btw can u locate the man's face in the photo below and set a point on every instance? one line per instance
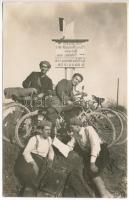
(76, 80)
(44, 68)
(75, 128)
(46, 132)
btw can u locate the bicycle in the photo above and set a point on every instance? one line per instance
(114, 116)
(100, 122)
(13, 111)
(27, 121)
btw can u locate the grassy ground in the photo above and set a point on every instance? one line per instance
(114, 176)
(10, 153)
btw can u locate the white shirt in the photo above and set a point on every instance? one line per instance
(87, 137)
(38, 146)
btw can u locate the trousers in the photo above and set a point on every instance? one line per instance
(25, 173)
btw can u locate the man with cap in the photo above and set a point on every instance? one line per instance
(65, 88)
(65, 96)
(87, 143)
(39, 80)
(36, 157)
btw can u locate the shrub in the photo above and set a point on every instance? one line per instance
(113, 105)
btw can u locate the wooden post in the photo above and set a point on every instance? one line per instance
(72, 71)
(117, 100)
(65, 72)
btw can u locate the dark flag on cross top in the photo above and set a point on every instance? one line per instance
(61, 23)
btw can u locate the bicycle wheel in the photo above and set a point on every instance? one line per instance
(12, 112)
(116, 120)
(121, 113)
(123, 139)
(24, 128)
(103, 125)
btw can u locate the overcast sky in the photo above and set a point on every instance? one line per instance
(28, 30)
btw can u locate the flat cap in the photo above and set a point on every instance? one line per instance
(75, 121)
(46, 63)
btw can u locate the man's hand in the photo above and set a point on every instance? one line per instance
(34, 91)
(94, 169)
(41, 95)
(35, 167)
(49, 164)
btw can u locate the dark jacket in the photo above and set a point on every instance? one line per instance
(64, 90)
(34, 80)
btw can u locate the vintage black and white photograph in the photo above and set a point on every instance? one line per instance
(64, 99)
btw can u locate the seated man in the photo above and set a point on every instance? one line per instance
(39, 80)
(31, 165)
(65, 89)
(95, 154)
(65, 96)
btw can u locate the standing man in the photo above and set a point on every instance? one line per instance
(39, 80)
